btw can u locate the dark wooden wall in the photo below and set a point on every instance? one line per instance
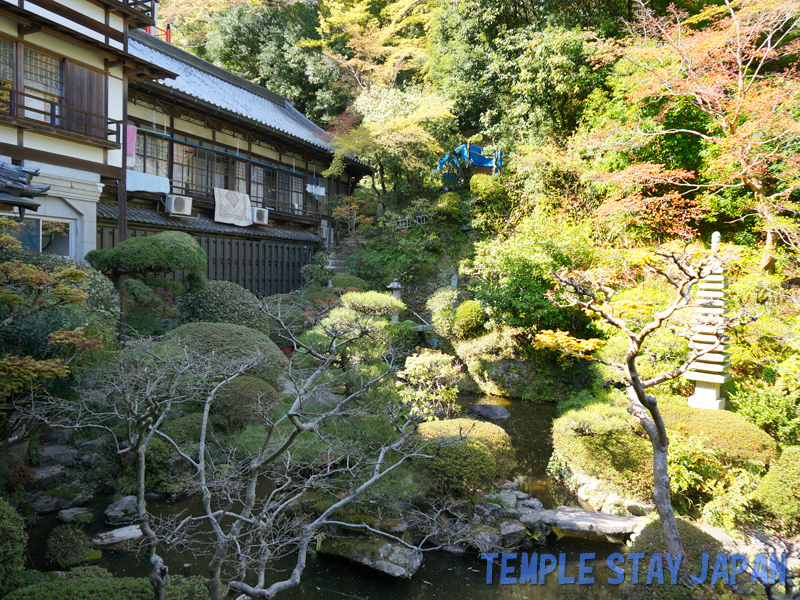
(264, 267)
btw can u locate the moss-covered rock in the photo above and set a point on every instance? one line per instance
(240, 402)
(779, 490)
(502, 364)
(231, 342)
(490, 435)
(378, 554)
(462, 466)
(68, 545)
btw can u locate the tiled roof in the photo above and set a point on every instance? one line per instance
(202, 224)
(207, 82)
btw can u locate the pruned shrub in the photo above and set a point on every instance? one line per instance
(12, 549)
(21, 580)
(184, 430)
(486, 187)
(68, 545)
(468, 319)
(232, 342)
(239, 403)
(448, 205)
(113, 588)
(429, 382)
(223, 302)
(772, 408)
(345, 281)
(490, 435)
(779, 490)
(462, 466)
(442, 306)
(373, 303)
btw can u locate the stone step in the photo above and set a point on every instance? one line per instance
(569, 518)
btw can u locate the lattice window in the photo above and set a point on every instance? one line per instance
(152, 154)
(239, 176)
(43, 78)
(6, 61)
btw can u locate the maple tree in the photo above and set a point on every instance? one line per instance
(729, 74)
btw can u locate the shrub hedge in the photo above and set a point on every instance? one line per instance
(490, 435)
(462, 466)
(104, 588)
(779, 490)
(238, 403)
(223, 302)
(14, 539)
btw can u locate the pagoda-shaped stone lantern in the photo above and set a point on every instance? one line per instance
(395, 288)
(712, 369)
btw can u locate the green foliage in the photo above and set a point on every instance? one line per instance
(490, 435)
(240, 402)
(651, 540)
(223, 302)
(373, 303)
(492, 205)
(148, 257)
(21, 580)
(233, 341)
(462, 466)
(468, 319)
(448, 205)
(487, 188)
(442, 304)
(772, 408)
(67, 545)
(511, 274)
(345, 281)
(407, 255)
(15, 538)
(430, 379)
(105, 588)
(779, 490)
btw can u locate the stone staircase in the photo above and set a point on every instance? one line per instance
(340, 255)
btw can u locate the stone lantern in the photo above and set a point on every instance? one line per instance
(395, 288)
(712, 369)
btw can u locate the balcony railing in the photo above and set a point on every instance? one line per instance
(43, 112)
(143, 6)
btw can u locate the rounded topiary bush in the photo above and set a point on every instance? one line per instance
(345, 281)
(68, 545)
(490, 435)
(186, 429)
(779, 490)
(232, 342)
(449, 205)
(223, 302)
(468, 319)
(14, 540)
(21, 580)
(462, 466)
(239, 403)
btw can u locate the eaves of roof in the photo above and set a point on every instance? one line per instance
(202, 224)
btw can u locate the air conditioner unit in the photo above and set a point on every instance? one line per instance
(179, 205)
(259, 216)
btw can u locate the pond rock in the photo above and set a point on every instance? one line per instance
(507, 498)
(71, 515)
(485, 539)
(512, 533)
(492, 412)
(570, 519)
(43, 477)
(58, 455)
(121, 512)
(45, 504)
(387, 557)
(118, 536)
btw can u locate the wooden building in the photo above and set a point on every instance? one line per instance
(65, 68)
(207, 131)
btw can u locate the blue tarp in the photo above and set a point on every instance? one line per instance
(458, 158)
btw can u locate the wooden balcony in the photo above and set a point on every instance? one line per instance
(50, 115)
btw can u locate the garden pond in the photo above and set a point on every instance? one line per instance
(442, 576)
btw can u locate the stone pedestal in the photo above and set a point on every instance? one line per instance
(706, 395)
(395, 288)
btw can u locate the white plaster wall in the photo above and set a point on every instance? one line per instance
(64, 48)
(69, 148)
(8, 26)
(87, 8)
(8, 135)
